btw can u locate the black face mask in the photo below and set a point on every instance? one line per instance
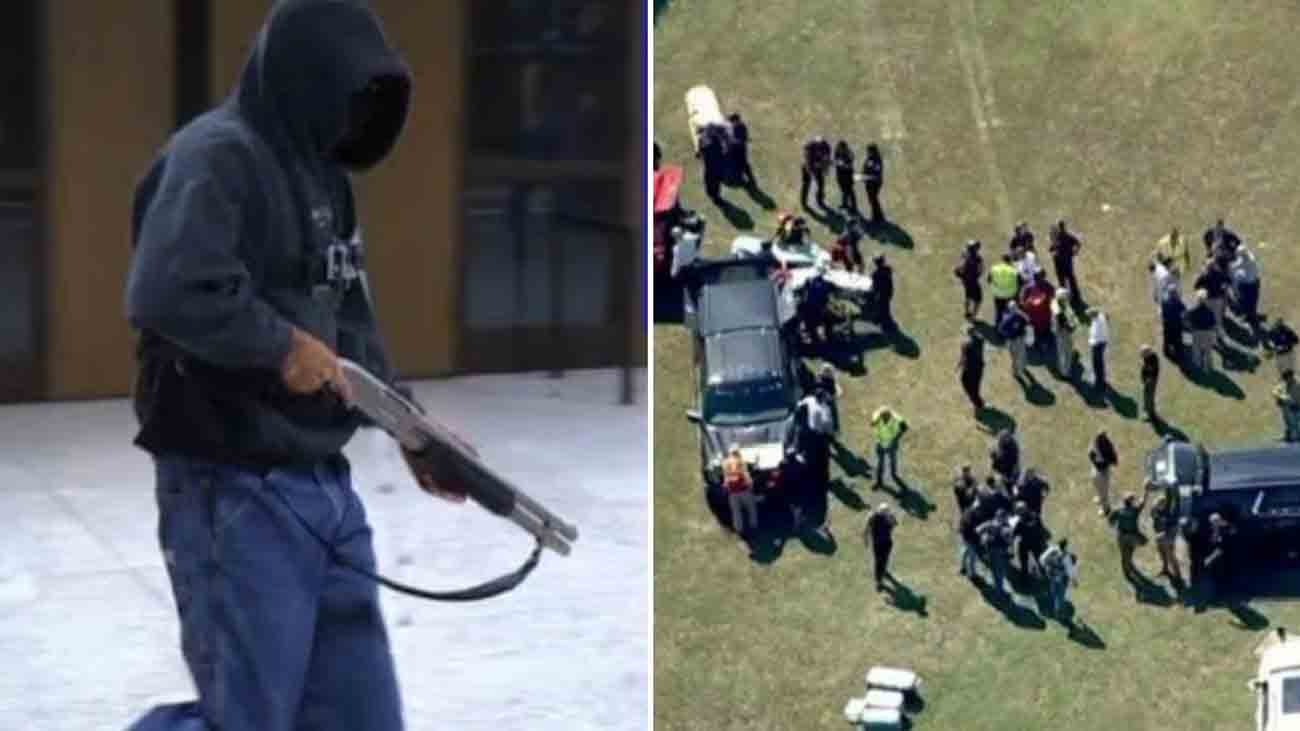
(375, 117)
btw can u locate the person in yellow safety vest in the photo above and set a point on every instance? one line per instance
(740, 491)
(1064, 323)
(1004, 283)
(1173, 248)
(888, 429)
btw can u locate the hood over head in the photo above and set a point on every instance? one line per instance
(323, 84)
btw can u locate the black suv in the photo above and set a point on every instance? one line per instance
(748, 383)
(1256, 489)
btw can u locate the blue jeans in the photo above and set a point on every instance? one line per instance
(998, 561)
(1057, 586)
(884, 454)
(967, 556)
(277, 636)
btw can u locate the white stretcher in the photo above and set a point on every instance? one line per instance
(702, 110)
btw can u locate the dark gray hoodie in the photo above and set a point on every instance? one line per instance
(230, 228)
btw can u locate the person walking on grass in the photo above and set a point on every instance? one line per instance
(970, 367)
(1244, 271)
(1032, 490)
(995, 536)
(827, 384)
(1173, 249)
(1064, 248)
(888, 428)
(969, 271)
(880, 534)
(1164, 526)
(1287, 396)
(1004, 284)
(1202, 324)
(1098, 339)
(1127, 533)
(965, 488)
(816, 161)
(1103, 458)
(1013, 328)
(1031, 539)
(1064, 323)
(1172, 319)
(844, 178)
(1150, 379)
(968, 540)
(1061, 568)
(739, 485)
(1004, 457)
(1280, 342)
(1215, 281)
(873, 177)
(740, 145)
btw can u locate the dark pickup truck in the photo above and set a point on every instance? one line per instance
(1256, 489)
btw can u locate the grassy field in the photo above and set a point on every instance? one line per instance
(1123, 117)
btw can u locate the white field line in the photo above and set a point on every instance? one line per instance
(889, 114)
(982, 63)
(966, 55)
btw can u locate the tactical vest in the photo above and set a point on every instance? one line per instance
(1005, 280)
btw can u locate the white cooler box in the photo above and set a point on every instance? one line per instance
(882, 719)
(903, 681)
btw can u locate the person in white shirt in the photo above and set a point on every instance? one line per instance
(1163, 278)
(687, 249)
(1245, 285)
(820, 429)
(1027, 265)
(1098, 337)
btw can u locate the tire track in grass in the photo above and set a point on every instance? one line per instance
(970, 53)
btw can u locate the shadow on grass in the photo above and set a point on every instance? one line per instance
(1147, 591)
(846, 354)
(1164, 429)
(738, 217)
(852, 464)
(1037, 394)
(1123, 405)
(901, 597)
(759, 196)
(905, 346)
(993, 420)
(1246, 618)
(1218, 382)
(847, 495)
(826, 217)
(1083, 634)
(1236, 359)
(910, 501)
(888, 232)
(1017, 614)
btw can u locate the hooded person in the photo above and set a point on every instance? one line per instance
(246, 286)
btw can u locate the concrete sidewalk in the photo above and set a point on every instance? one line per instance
(88, 628)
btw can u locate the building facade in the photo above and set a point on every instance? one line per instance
(492, 246)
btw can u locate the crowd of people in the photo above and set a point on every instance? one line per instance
(1001, 522)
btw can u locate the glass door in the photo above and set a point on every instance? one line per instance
(22, 194)
(544, 256)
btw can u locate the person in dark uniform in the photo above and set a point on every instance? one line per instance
(246, 288)
(1172, 315)
(1280, 342)
(880, 534)
(964, 488)
(816, 161)
(847, 251)
(970, 367)
(873, 177)
(969, 270)
(1032, 489)
(827, 384)
(740, 150)
(1031, 539)
(844, 178)
(812, 309)
(713, 154)
(1220, 536)
(1022, 239)
(1220, 237)
(1064, 248)
(882, 289)
(1150, 379)
(996, 536)
(1215, 280)
(1127, 534)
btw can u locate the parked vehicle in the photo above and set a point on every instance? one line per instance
(1277, 684)
(748, 386)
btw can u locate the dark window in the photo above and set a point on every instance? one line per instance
(193, 20)
(22, 194)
